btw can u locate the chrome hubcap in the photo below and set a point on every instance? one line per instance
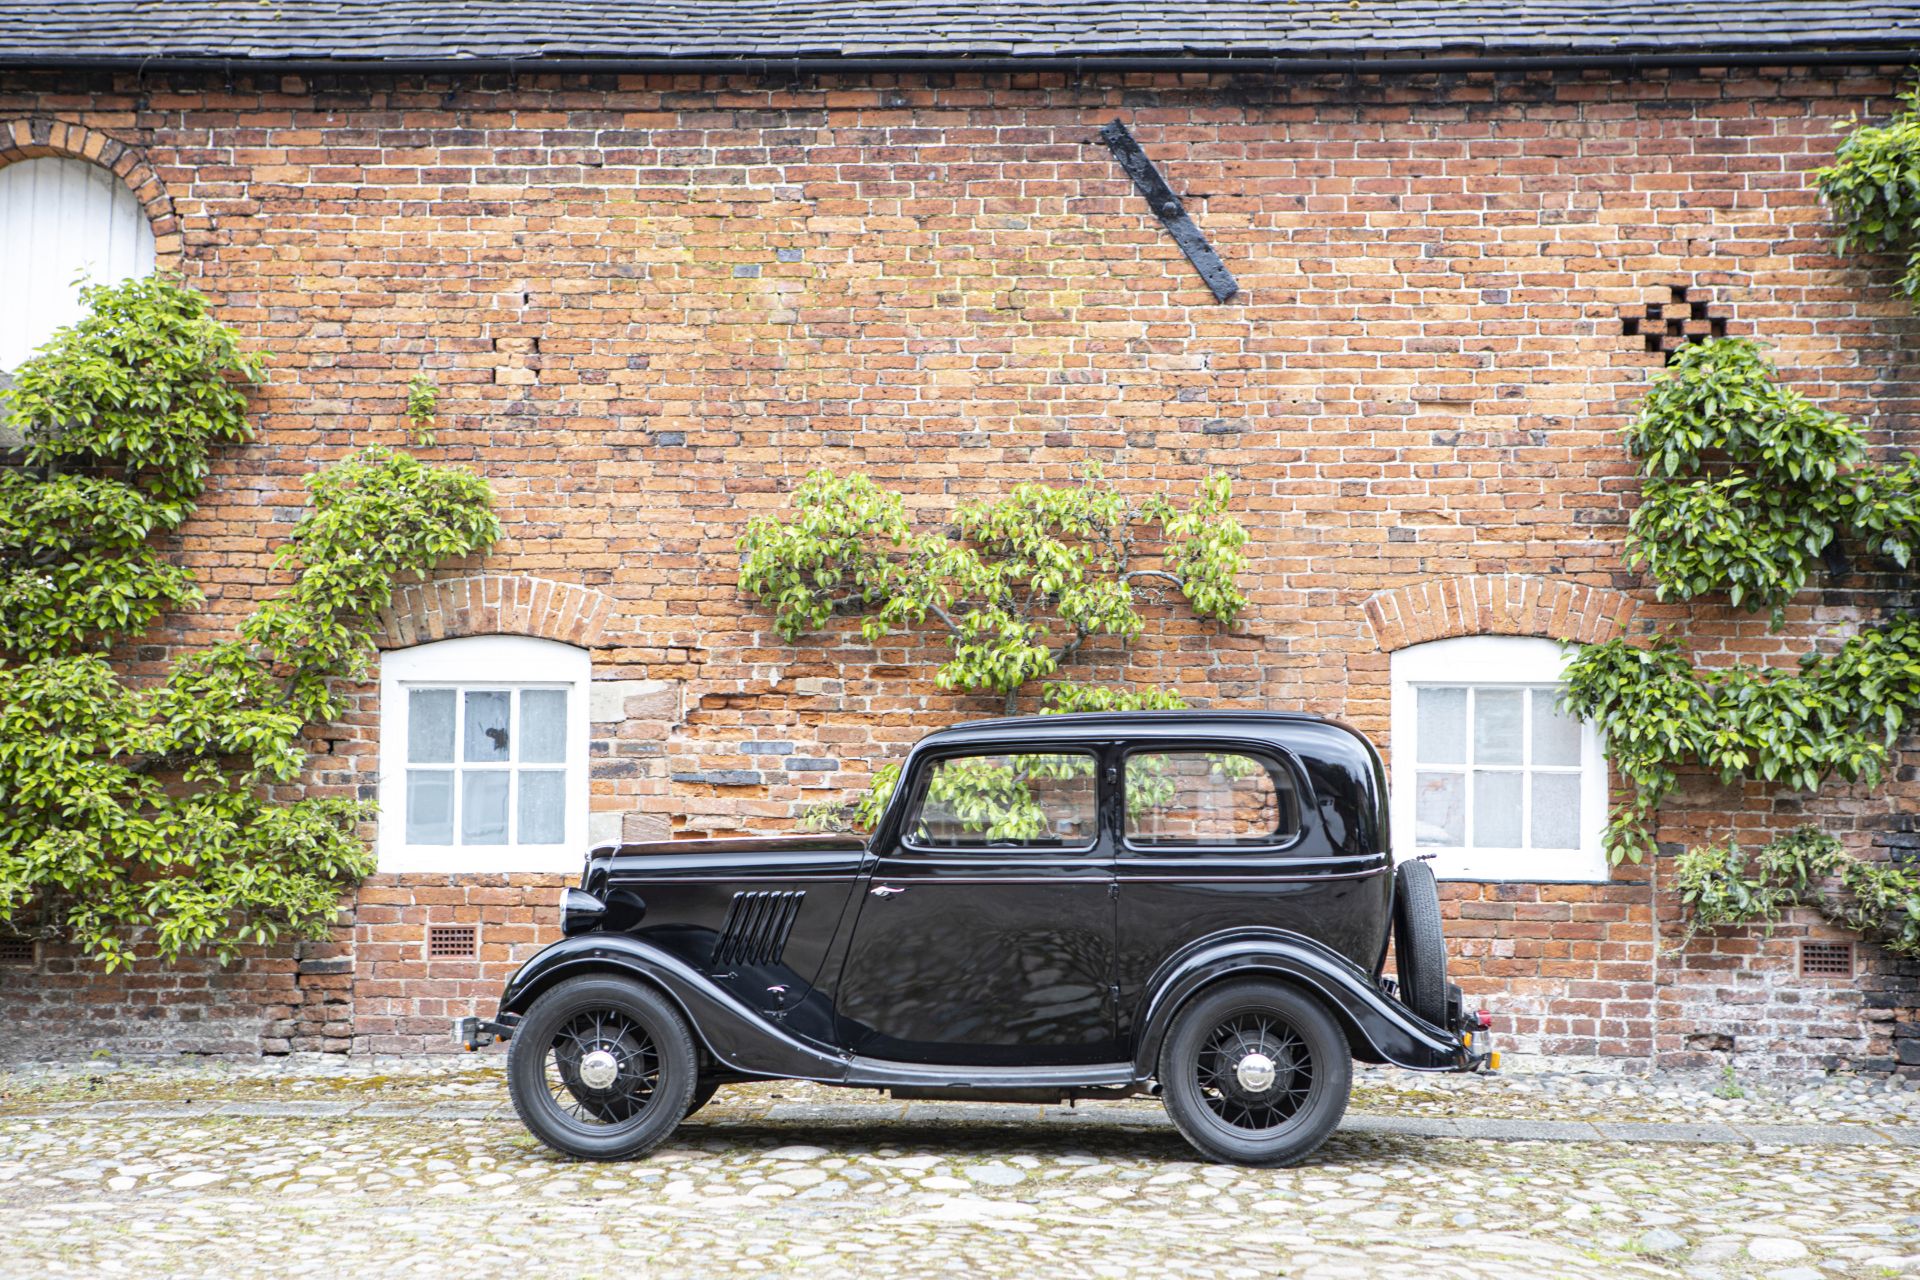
(599, 1069)
(1255, 1073)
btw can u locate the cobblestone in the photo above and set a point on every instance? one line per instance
(418, 1168)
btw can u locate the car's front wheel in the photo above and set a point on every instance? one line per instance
(601, 1068)
(1255, 1073)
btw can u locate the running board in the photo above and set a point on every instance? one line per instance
(977, 1082)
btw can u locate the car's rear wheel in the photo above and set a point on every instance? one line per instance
(601, 1068)
(1419, 946)
(1255, 1073)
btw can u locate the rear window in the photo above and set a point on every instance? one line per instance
(1039, 800)
(1209, 798)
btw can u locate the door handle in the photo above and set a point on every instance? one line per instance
(886, 890)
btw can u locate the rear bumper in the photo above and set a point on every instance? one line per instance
(473, 1034)
(1475, 1028)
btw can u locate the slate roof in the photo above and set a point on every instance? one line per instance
(646, 31)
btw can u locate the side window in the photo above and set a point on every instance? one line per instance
(1209, 797)
(1048, 801)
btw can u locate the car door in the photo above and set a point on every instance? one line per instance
(985, 932)
(1218, 837)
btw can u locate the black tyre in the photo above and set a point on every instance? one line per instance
(1419, 947)
(1255, 1073)
(601, 1068)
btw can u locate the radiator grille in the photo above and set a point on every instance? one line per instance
(452, 942)
(1826, 959)
(757, 927)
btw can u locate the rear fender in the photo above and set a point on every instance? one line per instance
(1379, 1028)
(735, 1035)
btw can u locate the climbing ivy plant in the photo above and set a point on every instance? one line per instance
(1722, 885)
(1017, 588)
(1872, 189)
(1745, 486)
(150, 805)
(1744, 483)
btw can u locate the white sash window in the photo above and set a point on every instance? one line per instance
(483, 755)
(1490, 776)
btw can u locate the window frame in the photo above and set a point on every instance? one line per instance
(923, 780)
(1275, 762)
(498, 662)
(1479, 662)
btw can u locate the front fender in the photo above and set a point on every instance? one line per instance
(735, 1035)
(1380, 1029)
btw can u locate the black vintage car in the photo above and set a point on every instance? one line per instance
(1192, 904)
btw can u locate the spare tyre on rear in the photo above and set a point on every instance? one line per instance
(1419, 948)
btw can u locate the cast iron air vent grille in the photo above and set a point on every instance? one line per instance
(452, 942)
(16, 950)
(757, 927)
(1666, 327)
(1826, 959)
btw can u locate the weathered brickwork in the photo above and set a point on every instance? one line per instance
(652, 304)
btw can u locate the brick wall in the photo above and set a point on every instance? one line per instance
(652, 304)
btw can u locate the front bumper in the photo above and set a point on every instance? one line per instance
(474, 1034)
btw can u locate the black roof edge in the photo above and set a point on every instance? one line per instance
(1179, 715)
(1888, 53)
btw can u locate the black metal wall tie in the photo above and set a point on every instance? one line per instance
(1166, 206)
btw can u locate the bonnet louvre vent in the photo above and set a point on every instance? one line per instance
(757, 927)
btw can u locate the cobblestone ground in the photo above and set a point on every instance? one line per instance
(402, 1169)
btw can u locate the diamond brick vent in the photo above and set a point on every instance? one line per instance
(452, 942)
(1826, 959)
(1666, 327)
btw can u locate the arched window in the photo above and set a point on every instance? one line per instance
(1489, 775)
(483, 755)
(61, 219)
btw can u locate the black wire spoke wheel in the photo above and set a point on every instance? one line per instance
(602, 1068)
(1255, 1072)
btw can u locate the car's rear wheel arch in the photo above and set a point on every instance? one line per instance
(1357, 1043)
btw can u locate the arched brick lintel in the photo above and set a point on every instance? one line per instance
(494, 604)
(1497, 604)
(29, 137)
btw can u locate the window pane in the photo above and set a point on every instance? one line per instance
(1556, 736)
(543, 726)
(483, 807)
(1440, 809)
(429, 806)
(1211, 797)
(1038, 800)
(1496, 810)
(486, 727)
(1441, 732)
(543, 806)
(1496, 725)
(1556, 811)
(430, 726)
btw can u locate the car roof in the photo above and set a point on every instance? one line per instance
(1146, 724)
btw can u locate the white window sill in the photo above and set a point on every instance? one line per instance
(1530, 867)
(482, 859)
